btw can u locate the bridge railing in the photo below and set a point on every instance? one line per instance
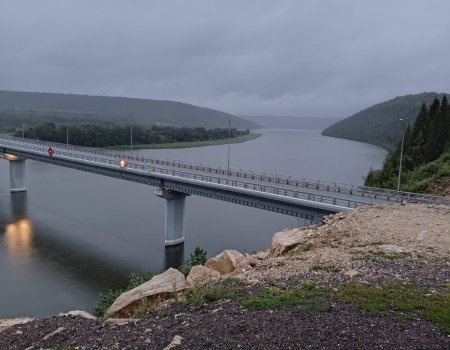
(291, 181)
(409, 196)
(94, 158)
(267, 177)
(253, 186)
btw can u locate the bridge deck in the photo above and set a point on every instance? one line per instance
(201, 179)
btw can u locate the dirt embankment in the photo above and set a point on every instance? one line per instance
(411, 231)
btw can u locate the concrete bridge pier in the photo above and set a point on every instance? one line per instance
(16, 173)
(174, 215)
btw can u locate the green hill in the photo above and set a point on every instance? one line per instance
(425, 156)
(380, 124)
(35, 107)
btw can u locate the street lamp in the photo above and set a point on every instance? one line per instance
(229, 137)
(131, 132)
(401, 156)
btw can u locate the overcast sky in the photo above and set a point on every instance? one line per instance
(302, 58)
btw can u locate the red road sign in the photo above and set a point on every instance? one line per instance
(50, 152)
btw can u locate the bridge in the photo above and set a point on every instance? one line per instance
(303, 198)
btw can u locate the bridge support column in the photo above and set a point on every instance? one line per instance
(16, 173)
(174, 215)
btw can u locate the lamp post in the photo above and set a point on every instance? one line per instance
(229, 137)
(131, 134)
(401, 157)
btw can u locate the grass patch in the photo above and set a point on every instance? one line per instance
(181, 317)
(326, 267)
(308, 298)
(238, 139)
(308, 246)
(229, 288)
(406, 299)
(393, 256)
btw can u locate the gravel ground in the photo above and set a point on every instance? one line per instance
(235, 328)
(403, 244)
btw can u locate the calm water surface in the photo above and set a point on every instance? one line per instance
(73, 234)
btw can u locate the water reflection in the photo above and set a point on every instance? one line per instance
(174, 256)
(26, 242)
(19, 240)
(19, 234)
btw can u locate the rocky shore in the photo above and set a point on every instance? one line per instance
(374, 278)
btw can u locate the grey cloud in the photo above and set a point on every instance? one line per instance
(245, 57)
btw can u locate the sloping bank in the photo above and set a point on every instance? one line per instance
(377, 277)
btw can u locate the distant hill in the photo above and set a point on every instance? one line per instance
(288, 122)
(380, 124)
(36, 107)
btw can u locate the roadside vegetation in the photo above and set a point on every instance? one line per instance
(426, 153)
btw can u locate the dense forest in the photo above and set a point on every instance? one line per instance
(426, 151)
(92, 135)
(35, 107)
(380, 124)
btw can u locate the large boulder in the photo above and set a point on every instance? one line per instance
(284, 241)
(225, 262)
(199, 275)
(161, 287)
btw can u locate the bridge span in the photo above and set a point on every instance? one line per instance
(303, 198)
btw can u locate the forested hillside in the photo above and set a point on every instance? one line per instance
(380, 124)
(35, 107)
(92, 135)
(426, 152)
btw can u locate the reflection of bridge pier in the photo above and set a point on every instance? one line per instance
(19, 233)
(16, 172)
(174, 256)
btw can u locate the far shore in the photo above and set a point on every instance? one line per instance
(190, 144)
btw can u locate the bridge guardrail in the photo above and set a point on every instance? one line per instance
(202, 177)
(268, 177)
(362, 191)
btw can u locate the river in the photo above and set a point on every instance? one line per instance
(73, 234)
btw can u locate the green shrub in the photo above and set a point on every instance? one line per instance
(198, 257)
(107, 298)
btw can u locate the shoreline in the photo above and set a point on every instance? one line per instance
(188, 144)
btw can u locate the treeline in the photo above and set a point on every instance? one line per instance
(92, 135)
(424, 142)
